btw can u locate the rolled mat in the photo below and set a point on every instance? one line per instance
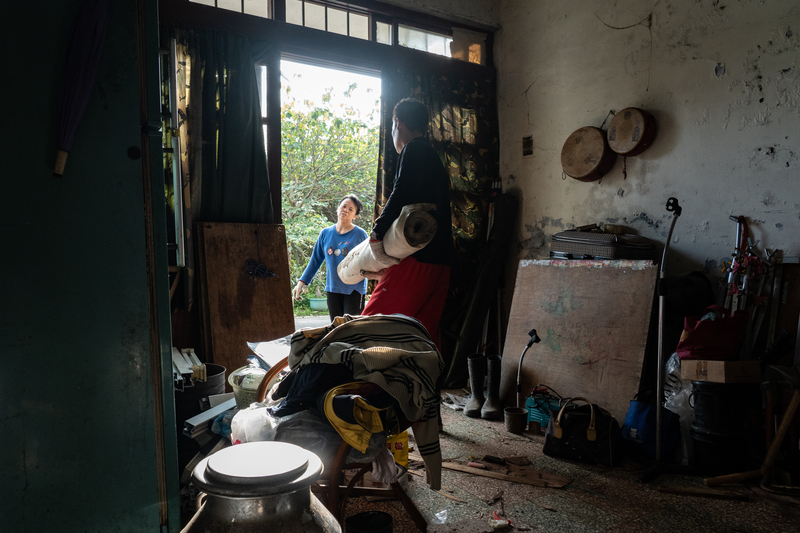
(411, 232)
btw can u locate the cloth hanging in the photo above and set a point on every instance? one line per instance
(223, 157)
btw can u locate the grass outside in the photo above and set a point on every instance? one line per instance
(303, 308)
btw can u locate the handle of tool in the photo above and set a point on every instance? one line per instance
(788, 416)
(731, 478)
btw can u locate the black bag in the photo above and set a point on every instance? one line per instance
(587, 433)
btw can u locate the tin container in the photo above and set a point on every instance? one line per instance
(258, 487)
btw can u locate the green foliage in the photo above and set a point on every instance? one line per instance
(326, 154)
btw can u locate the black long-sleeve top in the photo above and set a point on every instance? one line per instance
(421, 178)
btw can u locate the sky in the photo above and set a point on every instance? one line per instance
(309, 83)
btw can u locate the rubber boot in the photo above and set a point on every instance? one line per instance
(476, 364)
(492, 409)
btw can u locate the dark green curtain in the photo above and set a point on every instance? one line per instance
(224, 162)
(464, 130)
(231, 183)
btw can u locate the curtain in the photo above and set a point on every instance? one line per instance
(463, 129)
(224, 162)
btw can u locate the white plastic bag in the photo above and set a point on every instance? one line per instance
(678, 399)
(253, 424)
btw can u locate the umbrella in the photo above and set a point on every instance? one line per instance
(83, 59)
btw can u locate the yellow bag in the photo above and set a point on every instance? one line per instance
(398, 445)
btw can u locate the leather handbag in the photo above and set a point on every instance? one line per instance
(587, 433)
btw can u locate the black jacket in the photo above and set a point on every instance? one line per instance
(421, 178)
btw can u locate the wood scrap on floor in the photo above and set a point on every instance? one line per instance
(705, 493)
(512, 473)
(451, 497)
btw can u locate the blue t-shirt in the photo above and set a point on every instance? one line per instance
(333, 247)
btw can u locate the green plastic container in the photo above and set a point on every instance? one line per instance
(318, 304)
(369, 522)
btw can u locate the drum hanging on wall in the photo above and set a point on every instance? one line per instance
(631, 131)
(586, 155)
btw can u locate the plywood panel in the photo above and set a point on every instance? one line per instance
(593, 318)
(237, 309)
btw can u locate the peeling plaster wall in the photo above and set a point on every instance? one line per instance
(482, 13)
(720, 77)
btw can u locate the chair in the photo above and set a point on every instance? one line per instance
(336, 493)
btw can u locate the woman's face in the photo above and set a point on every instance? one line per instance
(347, 211)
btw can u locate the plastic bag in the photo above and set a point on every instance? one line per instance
(253, 424)
(222, 424)
(383, 468)
(316, 435)
(678, 399)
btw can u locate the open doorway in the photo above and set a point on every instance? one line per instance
(330, 121)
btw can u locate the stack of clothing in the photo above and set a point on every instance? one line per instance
(333, 367)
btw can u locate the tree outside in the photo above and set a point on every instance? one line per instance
(328, 151)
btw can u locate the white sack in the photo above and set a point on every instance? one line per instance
(411, 232)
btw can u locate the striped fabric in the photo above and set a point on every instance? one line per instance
(393, 352)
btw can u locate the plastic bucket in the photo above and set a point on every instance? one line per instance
(369, 522)
(516, 419)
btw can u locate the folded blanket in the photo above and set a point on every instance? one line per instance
(411, 232)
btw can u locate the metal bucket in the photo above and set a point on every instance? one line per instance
(516, 419)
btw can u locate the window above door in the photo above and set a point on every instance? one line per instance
(369, 21)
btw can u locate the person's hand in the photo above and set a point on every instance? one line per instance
(373, 275)
(299, 289)
(380, 254)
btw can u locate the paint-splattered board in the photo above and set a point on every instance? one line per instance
(593, 318)
(236, 309)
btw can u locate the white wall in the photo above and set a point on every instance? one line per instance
(720, 77)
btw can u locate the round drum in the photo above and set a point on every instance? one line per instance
(586, 155)
(631, 131)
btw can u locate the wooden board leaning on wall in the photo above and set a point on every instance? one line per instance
(235, 307)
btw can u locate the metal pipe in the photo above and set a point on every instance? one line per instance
(534, 338)
(672, 205)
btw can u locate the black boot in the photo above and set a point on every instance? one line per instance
(476, 364)
(492, 409)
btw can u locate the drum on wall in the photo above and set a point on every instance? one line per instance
(586, 155)
(631, 131)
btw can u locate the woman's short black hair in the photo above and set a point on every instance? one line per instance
(413, 114)
(355, 200)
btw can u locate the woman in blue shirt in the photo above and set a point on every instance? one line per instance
(333, 244)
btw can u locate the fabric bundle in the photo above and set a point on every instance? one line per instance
(411, 232)
(393, 352)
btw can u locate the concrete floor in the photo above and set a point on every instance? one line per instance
(597, 500)
(301, 322)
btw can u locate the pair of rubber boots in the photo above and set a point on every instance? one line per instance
(488, 407)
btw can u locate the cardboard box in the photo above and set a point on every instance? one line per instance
(721, 371)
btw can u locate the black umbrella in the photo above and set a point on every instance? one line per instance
(83, 59)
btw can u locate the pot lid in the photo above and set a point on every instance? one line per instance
(257, 469)
(256, 463)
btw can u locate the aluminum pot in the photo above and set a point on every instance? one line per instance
(257, 487)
